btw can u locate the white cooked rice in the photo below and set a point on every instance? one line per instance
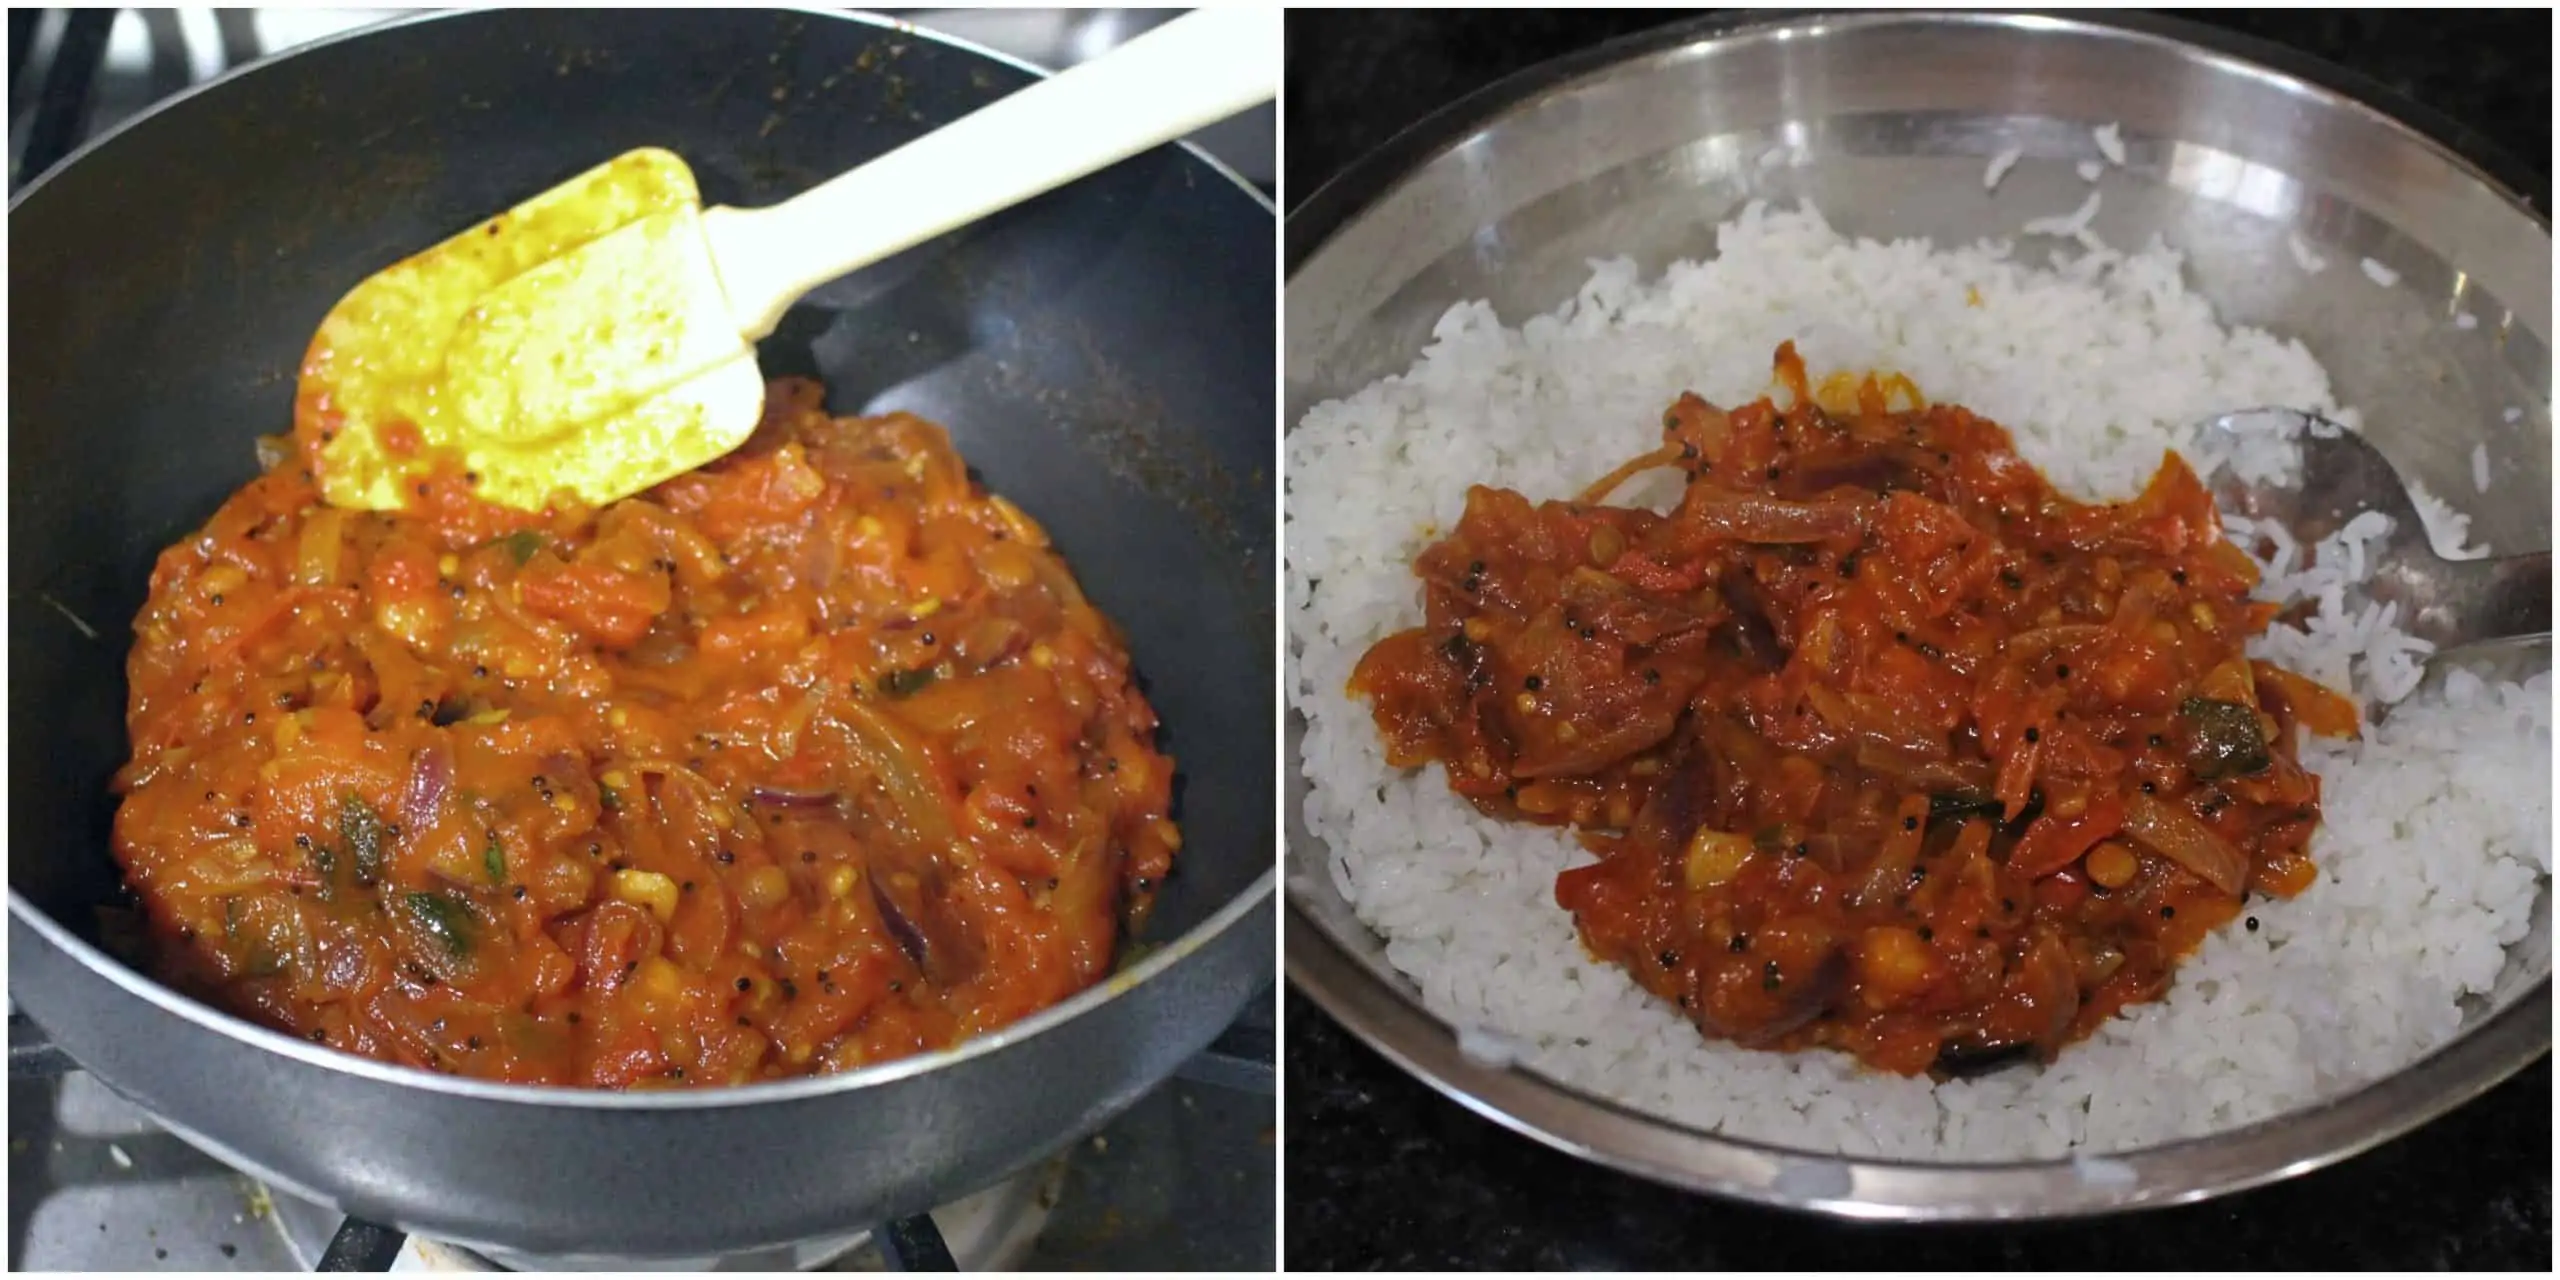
(1999, 167)
(2378, 273)
(2480, 468)
(2465, 321)
(2089, 170)
(2428, 871)
(2110, 138)
(2447, 528)
(2303, 257)
(2073, 224)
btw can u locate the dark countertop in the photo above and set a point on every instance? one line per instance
(1385, 1174)
(1382, 1172)
(1356, 78)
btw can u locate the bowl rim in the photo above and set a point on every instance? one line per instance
(1309, 223)
(1380, 1013)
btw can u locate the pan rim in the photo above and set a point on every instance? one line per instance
(1256, 895)
(859, 17)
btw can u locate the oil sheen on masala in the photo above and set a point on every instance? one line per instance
(813, 757)
(1882, 744)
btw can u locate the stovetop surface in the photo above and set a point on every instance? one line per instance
(150, 54)
(1182, 1181)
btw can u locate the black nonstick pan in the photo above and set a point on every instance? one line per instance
(1103, 356)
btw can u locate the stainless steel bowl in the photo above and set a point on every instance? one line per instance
(1887, 122)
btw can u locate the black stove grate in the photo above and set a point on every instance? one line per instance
(62, 101)
(908, 1244)
(1242, 1058)
(915, 1244)
(362, 1246)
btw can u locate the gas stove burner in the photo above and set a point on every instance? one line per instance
(993, 1230)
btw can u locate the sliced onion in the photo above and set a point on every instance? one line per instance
(2031, 647)
(316, 554)
(2048, 965)
(1061, 585)
(901, 924)
(792, 797)
(1871, 724)
(660, 648)
(2134, 611)
(2183, 838)
(1867, 471)
(820, 557)
(1601, 488)
(430, 777)
(1829, 851)
(1892, 868)
(2053, 842)
(904, 770)
(1750, 626)
(2315, 706)
(2095, 962)
(1810, 1000)
(1750, 518)
(1929, 773)
(989, 641)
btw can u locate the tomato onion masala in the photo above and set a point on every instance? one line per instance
(811, 758)
(1882, 744)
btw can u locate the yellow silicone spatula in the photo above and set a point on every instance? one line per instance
(597, 339)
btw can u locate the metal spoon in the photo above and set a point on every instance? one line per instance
(2453, 604)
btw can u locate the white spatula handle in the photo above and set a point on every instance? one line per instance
(1195, 70)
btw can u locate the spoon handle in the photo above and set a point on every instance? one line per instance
(1194, 70)
(2502, 598)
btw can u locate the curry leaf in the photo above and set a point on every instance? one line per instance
(445, 918)
(899, 684)
(2224, 739)
(1962, 804)
(365, 834)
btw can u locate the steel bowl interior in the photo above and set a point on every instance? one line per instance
(1887, 122)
